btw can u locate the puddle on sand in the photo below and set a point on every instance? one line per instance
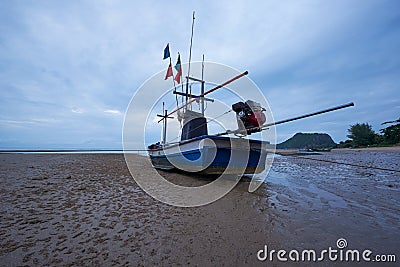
(317, 202)
(305, 189)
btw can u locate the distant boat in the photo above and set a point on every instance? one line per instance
(320, 149)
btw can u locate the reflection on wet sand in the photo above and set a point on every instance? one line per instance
(325, 201)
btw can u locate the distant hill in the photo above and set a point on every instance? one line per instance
(308, 140)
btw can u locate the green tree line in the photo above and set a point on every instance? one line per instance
(361, 134)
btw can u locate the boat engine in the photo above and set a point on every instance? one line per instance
(250, 114)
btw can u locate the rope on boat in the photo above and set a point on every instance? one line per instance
(348, 164)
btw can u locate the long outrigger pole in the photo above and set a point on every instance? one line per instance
(309, 115)
(265, 126)
(209, 91)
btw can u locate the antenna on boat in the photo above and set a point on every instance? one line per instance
(165, 116)
(190, 58)
(202, 87)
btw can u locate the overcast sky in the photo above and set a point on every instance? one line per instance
(68, 69)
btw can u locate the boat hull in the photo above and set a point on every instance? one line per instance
(211, 155)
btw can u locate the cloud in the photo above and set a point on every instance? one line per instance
(76, 65)
(112, 111)
(78, 110)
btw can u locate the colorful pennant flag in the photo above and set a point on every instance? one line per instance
(169, 72)
(178, 69)
(166, 52)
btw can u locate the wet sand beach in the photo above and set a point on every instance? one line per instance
(86, 210)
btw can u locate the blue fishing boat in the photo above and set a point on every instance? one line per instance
(198, 151)
(216, 154)
(210, 154)
(201, 152)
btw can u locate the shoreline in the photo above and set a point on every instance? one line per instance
(395, 149)
(389, 149)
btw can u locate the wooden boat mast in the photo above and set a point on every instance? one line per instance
(202, 87)
(165, 116)
(190, 59)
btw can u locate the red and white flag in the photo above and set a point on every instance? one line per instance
(169, 72)
(178, 69)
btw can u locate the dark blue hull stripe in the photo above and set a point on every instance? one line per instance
(221, 159)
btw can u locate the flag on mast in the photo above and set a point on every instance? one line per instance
(169, 72)
(166, 52)
(178, 69)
